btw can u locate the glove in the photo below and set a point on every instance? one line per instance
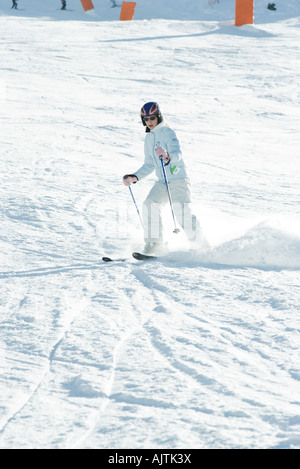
(162, 152)
(129, 179)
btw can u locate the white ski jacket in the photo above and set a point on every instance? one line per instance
(162, 136)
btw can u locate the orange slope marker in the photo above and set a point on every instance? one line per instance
(87, 5)
(244, 12)
(127, 11)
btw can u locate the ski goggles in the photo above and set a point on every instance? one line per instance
(152, 118)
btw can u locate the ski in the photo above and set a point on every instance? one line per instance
(143, 257)
(109, 259)
(137, 255)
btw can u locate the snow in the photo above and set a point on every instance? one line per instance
(190, 351)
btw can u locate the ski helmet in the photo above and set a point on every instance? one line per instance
(151, 109)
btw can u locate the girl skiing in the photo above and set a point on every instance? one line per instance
(161, 143)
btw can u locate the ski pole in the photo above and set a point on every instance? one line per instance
(137, 209)
(176, 230)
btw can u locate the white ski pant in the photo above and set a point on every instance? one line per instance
(157, 200)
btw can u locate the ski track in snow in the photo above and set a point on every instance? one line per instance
(190, 351)
(46, 369)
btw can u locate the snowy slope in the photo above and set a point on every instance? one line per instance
(189, 351)
(109, 10)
